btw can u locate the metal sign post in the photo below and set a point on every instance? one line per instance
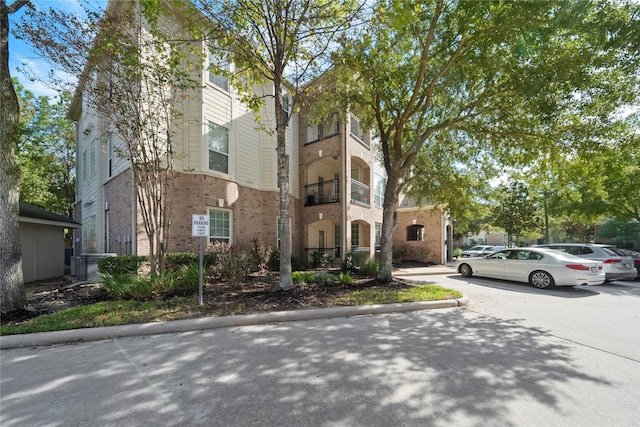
(200, 228)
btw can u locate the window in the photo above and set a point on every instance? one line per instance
(356, 130)
(286, 105)
(220, 225)
(110, 155)
(324, 129)
(355, 235)
(88, 162)
(379, 183)
(313, 133)
(218, 148)
(378, 234)
(217, 62)
(415, 232)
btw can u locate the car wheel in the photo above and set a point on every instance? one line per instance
(465, 270)
(541, 279)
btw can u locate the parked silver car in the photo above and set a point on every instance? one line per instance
(617, 266)
(480, 250)
(540, 267)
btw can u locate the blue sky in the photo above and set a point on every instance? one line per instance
(22, 54)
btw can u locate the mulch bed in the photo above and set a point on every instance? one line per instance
(256, 294)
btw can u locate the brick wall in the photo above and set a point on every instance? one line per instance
(432, 247)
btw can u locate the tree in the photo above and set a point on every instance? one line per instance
(47, 152)
(12, 293)
(516, 211)
(284, 42)
(494, 76)
(133, 67)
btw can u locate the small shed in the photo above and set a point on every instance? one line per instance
(42, 240)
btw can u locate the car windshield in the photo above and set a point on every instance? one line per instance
(565, 255)
(476, 248)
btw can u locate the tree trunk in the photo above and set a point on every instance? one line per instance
(12, 293)
(286, 281)
(389, 224)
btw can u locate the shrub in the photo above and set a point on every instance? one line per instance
(320, 259)
(127, 285)
(345, 278)
(396, 256)
(303, 276)
(186, 278)
(370, 268)
(232, 264)
(261, 253)
(274, 262)
(323, 278)
(120, 265)
(347, 263)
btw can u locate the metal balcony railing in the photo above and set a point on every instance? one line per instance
(322, 192)
(360, 193)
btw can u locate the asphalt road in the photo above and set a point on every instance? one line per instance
(517, 356)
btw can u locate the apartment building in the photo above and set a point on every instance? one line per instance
(227, 169)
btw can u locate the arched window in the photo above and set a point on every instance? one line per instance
(415, 232)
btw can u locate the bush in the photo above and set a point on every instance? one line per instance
(320, 259)
(274, 262)
(186, 278)
(120, 265)
(302, 276)
(127, 285)
(231, 263)
(370, 268)
(323, 278)
(345, 278)
(261, 253)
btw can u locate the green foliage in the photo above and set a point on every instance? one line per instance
(184, 278)
(516, 211)
(320, 259)
(370, 268)
(46, 150)
(390, 296)
(128, 285)
(323, 278)
(621, 233)
(345, 278)
(396, 256)
(121, 265)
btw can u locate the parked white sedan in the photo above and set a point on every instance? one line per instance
(539, 267)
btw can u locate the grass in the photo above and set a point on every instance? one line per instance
(390, 296)
(124, 312)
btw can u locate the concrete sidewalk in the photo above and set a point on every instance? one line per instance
(109, 332)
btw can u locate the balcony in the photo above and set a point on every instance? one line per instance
(322, 193)
(360, 193)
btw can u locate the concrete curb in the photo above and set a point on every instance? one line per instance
(109, 332)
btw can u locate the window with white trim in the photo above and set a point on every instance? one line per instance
(415, 232)
(217, 62)
(355, 235)
(378, 234)
(220, 225)
(379, 183)
(218, 148)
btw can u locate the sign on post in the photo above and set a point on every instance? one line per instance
(200, 228)
(200, 225)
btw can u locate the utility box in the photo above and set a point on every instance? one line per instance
(88, 265)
